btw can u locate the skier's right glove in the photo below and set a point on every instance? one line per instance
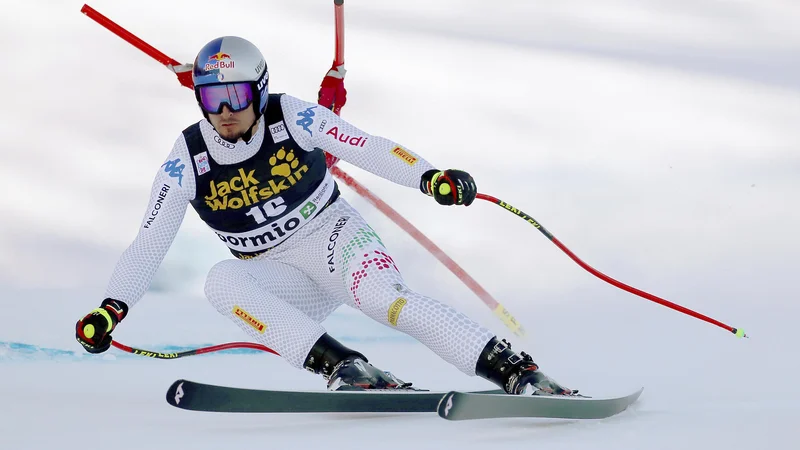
(93, 331)
(449, 187)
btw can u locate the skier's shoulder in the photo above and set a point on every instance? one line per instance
(292, 105)
(194, 140)
(304, 118)
(193, 131)
(177, 164)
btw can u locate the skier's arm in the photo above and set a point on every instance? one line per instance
(376, 154)
(173, 188)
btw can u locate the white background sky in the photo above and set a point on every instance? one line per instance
(659, 140)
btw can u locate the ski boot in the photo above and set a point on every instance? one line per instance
(355, 374)
(513, 372)
(348, 370)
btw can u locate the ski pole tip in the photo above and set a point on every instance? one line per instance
(739, 333)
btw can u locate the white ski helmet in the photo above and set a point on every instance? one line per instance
(230, 70)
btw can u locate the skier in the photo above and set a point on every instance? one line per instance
(255, 172)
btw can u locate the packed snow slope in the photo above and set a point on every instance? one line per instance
(659, 140)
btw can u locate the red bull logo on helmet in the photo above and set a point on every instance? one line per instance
(218, 61)
(219, 56)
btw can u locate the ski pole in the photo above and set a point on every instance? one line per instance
(196, 351)
(338, 61)
(738, 332)
(183, 71)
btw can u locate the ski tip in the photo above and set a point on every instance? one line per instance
(635, 396)
(175, 393)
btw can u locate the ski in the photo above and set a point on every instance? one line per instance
(466, 406)
(193, 396)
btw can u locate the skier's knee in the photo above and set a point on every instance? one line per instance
(221, 276)
(383, 302)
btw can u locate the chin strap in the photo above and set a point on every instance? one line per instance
(245, 137)
(259, 114)
(249, 133)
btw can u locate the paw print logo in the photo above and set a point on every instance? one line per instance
(283, 163)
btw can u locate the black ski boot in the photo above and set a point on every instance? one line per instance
(346, 369)
(513, 372)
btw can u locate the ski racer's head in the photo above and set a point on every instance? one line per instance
(231, 86)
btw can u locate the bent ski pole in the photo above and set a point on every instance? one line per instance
(736, 331)
(197, 351)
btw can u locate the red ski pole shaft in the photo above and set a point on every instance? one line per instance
(128, 36)
(338, 9)
(183, 72)
(604, 277)
(196, 351)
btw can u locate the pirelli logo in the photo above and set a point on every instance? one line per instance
(250, 320)
(395, 308)
(407, 158)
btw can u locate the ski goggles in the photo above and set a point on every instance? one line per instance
(238, 96)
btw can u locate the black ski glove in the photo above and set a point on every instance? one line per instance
(93, 331)
(449, 187)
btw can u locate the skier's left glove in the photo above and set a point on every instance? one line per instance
(449, 187)
(93, 331)
(332, 93)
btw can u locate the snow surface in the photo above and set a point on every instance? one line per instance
(659, 140)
